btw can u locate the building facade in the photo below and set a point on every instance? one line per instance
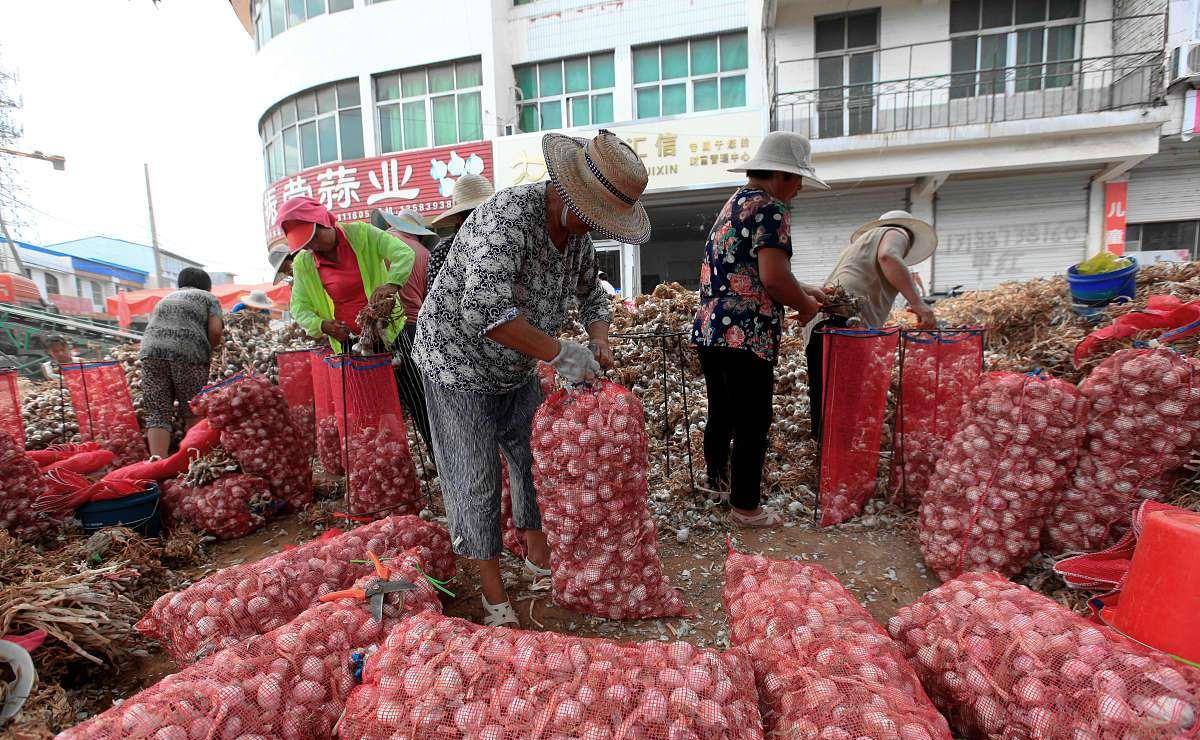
(1002, 122)
(77, 285)
(139, 257)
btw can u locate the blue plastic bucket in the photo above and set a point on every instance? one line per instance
(138, 511)
(1091, 293)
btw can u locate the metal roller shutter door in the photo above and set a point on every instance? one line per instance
(1164, 194)
(823, 222)
(1009, 228)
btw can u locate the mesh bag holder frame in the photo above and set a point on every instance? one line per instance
(856, 376)
(296, 380)
(11, 420)
(929, 406)
(104, 409)
(381, 477)
(328, 444)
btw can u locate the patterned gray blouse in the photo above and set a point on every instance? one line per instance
(178, 328)
(503, 264)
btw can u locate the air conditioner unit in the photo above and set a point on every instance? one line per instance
(1184, 65)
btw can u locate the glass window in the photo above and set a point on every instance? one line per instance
(996, 13)
(273, 17)
(964, 15)
(295, 12)
(845, 77)
(862, 29)
(409, 117)
(312, 128)
(831, 33)
(550, 98)
(339, 5)
(315, 7)
(1030, 11)
(713, 68)
(51, 283)
(1028, 32)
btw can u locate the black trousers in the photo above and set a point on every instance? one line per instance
(814, 355)
(741, 386)
(408, 381)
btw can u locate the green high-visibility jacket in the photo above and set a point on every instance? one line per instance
(382, 258)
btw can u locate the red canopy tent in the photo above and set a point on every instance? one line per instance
(142, 302)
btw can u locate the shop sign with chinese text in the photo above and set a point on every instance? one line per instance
(682, 151)
(421, 179)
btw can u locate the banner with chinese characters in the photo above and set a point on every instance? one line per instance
(422, 179)
(696, 150)
(1116, 196)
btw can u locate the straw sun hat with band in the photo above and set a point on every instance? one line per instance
(924, 238)
(470, 192)
(602, 181)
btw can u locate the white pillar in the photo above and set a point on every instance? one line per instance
(1095, 217)
(623, 92)
(366, 99)
(921, 205)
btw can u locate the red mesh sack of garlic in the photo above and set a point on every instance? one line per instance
(381, 477)
(257, 430)
(329, 434)
(857, 374)
(23, 484)
(547, 378)
(1002, 661)
(290, 683)
(442, 677)
(589, 468)
(825, 670)
(104, 409)
(11, 421)
(1000, 474)
(514, 542)
(296, 382)
(232, 506)
(1143, 426)
(253, 598)
(938, 370)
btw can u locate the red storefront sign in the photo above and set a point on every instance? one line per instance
(1115, 199)
(422, 179)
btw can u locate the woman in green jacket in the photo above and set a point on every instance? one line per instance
(338, 268)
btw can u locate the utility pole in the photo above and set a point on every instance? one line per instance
(153, 231)
(12, 251)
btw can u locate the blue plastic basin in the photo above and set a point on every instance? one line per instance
(138, 511)
(1091, 293)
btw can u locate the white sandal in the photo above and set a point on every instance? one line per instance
(536, 570)
(499, 615)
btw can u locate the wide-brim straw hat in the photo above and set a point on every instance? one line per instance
(470, 192)
(924, 238)
(602, 180)
(784, 151)
(406, 221)
(257, 299)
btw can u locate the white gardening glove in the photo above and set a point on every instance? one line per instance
(575, 363)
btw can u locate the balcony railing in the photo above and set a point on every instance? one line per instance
(1017, 93)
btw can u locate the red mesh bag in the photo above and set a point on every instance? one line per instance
(824, 668)
(104, 409)
(23, 485)
(289, 683)
(547, 378)
(1143, 426)
(329, 434)
(11, 421)
(441, 677)
(1001, 661)
(382, 478)
(589, 467)
(1106, 570)
(231, 506)
(513, 541)
(938, 370)
(1000, 474)
(296, 381)
(257, 430)
(855, 381)
(254, 598)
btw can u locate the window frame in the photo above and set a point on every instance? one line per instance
(1134, 246)
(1012, 34)
(427, 97)
(260, 11)
(689, 81)
(564, 98)
(845, 53)
(276, 138)
(47, 276)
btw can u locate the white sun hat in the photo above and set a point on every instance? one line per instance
(784, 151)
(924, 238)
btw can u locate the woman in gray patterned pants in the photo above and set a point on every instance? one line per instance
(520, 262)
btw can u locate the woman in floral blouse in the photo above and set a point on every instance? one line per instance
(745, 283)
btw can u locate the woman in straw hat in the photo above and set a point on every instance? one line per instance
(470, 191)
(745, 283)
(255, 300)
(873, 270)
(521, 260)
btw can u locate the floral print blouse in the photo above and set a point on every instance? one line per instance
(736, 311)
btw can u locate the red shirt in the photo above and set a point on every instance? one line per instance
(343, 282)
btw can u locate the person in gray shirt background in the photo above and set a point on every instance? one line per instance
(176, 350)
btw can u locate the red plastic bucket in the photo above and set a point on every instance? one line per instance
(1160, 601)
